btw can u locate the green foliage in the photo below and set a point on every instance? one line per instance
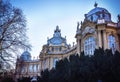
(7, 79)
(24, 79)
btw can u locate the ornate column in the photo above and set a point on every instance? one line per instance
(105, 39)
(78, 45)
(78, 48)
(99, 39)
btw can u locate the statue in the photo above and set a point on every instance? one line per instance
(91, 18)
(95, 5)
(103, 14)
(118, 18)
(78, 25)
(81, 23)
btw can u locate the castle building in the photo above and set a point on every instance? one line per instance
(97, 30)
(55, 49)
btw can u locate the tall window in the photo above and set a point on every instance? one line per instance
(30, 68)
(60, 48)
(112, 42)
(89, 46)
(45, 64)
(52, 48)
(23, 69)
(56, 49)
(35, 68)
(54, 62)
(38, 67)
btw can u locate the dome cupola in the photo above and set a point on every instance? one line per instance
(57, 39)
(26, 56)
(98, 13)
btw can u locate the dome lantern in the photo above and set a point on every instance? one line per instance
(96, 4)
(98, 13)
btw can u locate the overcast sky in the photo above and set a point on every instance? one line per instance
(44, 15)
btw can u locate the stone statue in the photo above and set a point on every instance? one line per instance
(91, 18)
(118, 18)
(78, 25)
(96, 4)
(103, 14)
(81, 23)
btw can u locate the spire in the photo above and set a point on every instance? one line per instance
(57, 29)
(118, 17)
(57, 32)
(78, 25)
(96, 4)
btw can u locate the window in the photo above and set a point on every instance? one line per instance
(23, 69)
(35, 68)
(30, 68)
(45, 64)
(56, 49)
(52, 48)
(60, 49)
(54, 62)
(89, 46)
(38, 67)
(112, 42)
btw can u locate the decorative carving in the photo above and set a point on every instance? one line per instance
(118, 18)
(91, 18)
(95, 5)
(81, 23)
(88, 30)
(103, 14)
(78, 26)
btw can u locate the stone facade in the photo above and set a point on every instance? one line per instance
(97, 30)
(55, 49)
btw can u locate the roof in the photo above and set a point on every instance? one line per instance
(97, 9)
(57, 39)
(98, 13)
(25, 56)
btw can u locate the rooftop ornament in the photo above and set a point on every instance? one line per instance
(96, 4)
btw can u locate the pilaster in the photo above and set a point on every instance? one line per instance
(99, 39)
(105, 39)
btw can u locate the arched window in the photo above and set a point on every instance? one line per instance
(45, 64)
(35, 68)
(89, 46)
(52, 48)
(111, 42)
(54, 62)
(30, 68)
(23, 69)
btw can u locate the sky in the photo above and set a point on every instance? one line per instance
(44, 15)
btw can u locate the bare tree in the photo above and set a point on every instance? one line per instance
(13, 37)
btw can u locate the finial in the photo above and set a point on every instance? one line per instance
(65, 37)
(73, 44)
(96, 4)
(78, 25)
(47, 38)
(57, 27)
(118, 17)
(81, 23)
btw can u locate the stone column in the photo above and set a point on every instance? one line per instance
(78, 45)
(99, 39)
(105, 39)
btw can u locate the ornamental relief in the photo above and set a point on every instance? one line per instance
(88, 30)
